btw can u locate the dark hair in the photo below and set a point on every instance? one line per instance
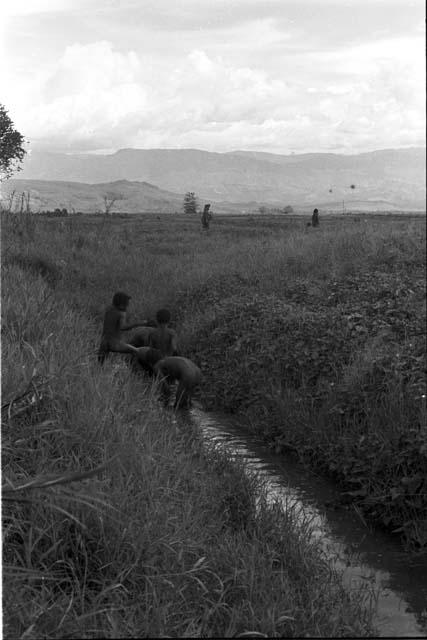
(316, 211)
(120, 299)
(163, 316)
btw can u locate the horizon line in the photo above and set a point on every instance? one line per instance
(234, 151)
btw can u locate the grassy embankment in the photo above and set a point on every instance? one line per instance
(116, 522)
(318, 337)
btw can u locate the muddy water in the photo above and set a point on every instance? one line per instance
(365, 557)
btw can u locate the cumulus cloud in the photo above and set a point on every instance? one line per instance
(91, 68)
(89, 97)
(95, 96)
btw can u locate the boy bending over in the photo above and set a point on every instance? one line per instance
(185, 372)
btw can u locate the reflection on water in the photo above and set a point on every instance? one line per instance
(365, 557)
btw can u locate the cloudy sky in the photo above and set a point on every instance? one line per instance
(269, 75)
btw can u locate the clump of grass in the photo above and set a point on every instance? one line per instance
(46, 268)
(374, 448)
(20, 226)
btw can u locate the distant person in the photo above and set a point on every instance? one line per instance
(163, 338)
(206, 217)
(315, 218)
(114, 324)
(185, 372)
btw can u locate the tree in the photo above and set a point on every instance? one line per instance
(288, 209)
(110, 200)
(11, 149)
(190, 203)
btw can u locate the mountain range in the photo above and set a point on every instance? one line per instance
(156, 179)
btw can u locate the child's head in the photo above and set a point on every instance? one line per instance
(163, 316)
(121, 300)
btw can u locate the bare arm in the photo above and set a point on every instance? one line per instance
(127, 327)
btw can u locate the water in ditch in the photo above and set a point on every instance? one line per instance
(364, 556)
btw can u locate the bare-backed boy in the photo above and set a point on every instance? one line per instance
(163, 338)
(185, 372)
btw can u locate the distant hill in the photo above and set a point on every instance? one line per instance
(89, 198)
(396, 176)
(131, 197)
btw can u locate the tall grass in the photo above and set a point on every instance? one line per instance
(117, 521)
(325, 352)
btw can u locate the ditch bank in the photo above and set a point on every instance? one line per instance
(333, 372)
(394, 582)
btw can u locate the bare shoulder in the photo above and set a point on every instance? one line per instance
(181, 368)
(183, 363)
(113, 312)
(112, 315)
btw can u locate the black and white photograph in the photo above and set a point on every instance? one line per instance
(213, 319)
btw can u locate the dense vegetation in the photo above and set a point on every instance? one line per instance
(320, 342)
(12, 151)
(116, 521)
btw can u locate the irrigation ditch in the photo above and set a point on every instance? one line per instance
(395, 581)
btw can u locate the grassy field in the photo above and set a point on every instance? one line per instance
(117, 523)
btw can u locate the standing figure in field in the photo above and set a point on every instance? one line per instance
(315, 218)
(206, 217)
(163, 338)
(183, 370)
(115, 323)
